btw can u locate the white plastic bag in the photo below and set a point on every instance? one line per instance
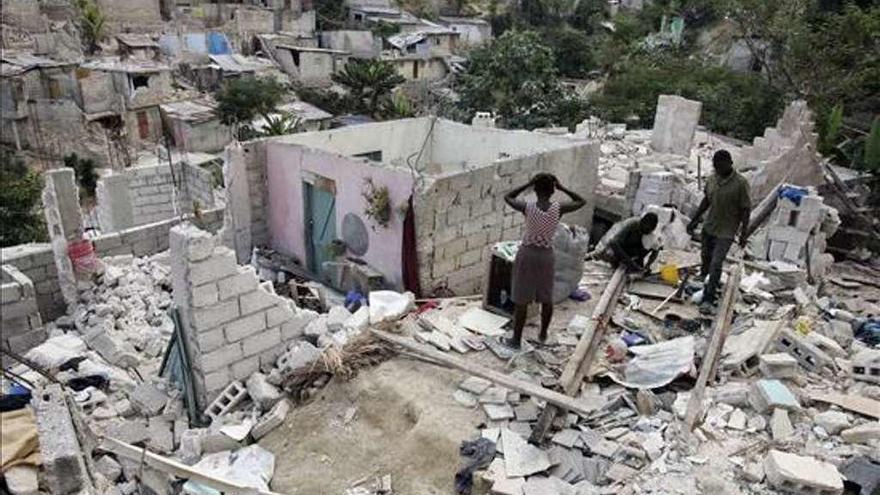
(569, 248)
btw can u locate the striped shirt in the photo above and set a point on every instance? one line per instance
(540, 225)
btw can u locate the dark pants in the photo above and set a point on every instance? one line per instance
(713, 254)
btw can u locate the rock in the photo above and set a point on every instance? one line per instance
(316, 328)
(161, 435)
(271, 420)
(832, 422)
(799, 474)
(148, 399)
(862, 433)
(22, 480)
(190, 449)
(494, 395)
(262, 393)
(466, 399)
(336, 318)
(770, 394)
(737, 420)
(475, 385)
(778, 365)
(133, 431)
(780, 426)
(109, 468)
(358, 321)
(842, 332)
(753, 472)
(301, 353)
(497, 412)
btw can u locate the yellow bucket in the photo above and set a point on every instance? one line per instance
(669, 274)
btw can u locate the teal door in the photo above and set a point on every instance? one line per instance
(320, 209)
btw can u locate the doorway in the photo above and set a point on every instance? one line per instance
(319, 201)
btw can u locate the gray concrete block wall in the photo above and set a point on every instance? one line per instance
(255, 163)
(234, 324)
(460, 216)
(149, 239)
(19, 314)
(36, 262)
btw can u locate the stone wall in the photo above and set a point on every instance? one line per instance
(461, 215)
(36, 263)
(145, 240)
(19, 313)
(234, 325)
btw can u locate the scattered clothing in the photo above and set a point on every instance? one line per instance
(478, 454)
(793, 194)
(18, 435)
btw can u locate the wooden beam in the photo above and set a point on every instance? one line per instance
(529, 388)
(170, 466)
(579, 363)
(713, 352)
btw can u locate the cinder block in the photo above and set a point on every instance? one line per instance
(808, 355)
(221, 358)
(262, 341)
(217, 380)
(257, 300)
(205, 295)
(278, 315)
(866, 366)
(271, 420)
(245, 327)
(213, 316)
(241, 370)
(243, 282)
(221, 264)
(779, 365)
(211, 340)
(234, 393)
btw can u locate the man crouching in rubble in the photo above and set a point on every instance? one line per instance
(729, 206)
(628, 244)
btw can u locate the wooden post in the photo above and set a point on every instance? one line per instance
(713, 352)
(552, 397)
(579, 363)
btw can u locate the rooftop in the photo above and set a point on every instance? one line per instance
(190, 110)
(136, 40)
(18, 63)
(115, 64)
(241, 63)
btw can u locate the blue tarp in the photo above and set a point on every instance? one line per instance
(218, 44)
(195, 42)
(793, 194)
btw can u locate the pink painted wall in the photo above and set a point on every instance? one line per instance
(285, 166)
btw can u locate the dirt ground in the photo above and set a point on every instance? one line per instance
(405, 423)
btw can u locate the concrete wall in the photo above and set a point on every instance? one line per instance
(35, 261)
(314, 68)
(154, 125)
(471, 34)
(430, 68)
(361, 44)
(142, 195)
(149, 239)
(235, 325)
(396, 139)
(19, 314)
(287, 166)
(460, 215)
(98, 91)
(130, 14)
(156, 92)
(200, 137)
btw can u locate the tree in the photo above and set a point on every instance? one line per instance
(91, 24)
(515, 76)
(86, 177)
(242, 99)
(331, 14)
(368, 81)
(872, 148)
(397, 107)
(280, 125)
(20, 213)
(572, 50)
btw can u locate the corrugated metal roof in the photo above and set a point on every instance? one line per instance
(241, 63)
(114, 64)
(15, 63)
(190, 110)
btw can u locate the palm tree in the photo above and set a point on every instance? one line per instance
(285, 123)
(91, 23)
(369, 80)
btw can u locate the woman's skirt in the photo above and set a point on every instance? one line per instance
(533, 275)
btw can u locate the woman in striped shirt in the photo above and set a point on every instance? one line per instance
(534, 264)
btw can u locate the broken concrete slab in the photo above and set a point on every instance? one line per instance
(494, 395)
(108, 467)
(483, 322)
(133, 431)
(863, 434)
(567, 438)
(466, 399)
(769, 394)
(161, 437)
(526, 412)
(148, 399)
(675, 123)
(737, 420)
(542, 485)
(520, 457)
(799, 474)
(780, 426)
(63, 464)
(833, 422)
(300, 354)
(475, 385)
(271, 420)
(497, 412)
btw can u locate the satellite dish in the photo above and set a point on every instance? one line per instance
(355, 235)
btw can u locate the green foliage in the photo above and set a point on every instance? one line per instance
(242, 99)
(587, 15)
(329, 100)
(20, 213)
(91, 24)
(280, 125)
(737, 105)
(86, 177)
(572, 50)
(331, 14)
(368, 81)
(384, 29)
(398, 106)
(830, 130)
(872, 148)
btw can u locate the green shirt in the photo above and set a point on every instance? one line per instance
(728, 200)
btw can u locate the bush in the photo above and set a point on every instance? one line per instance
(734, 104)
(20, 215)
(86, 177)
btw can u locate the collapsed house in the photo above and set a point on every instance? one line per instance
(195, 127)
(417, 193)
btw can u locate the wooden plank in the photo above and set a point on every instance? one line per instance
(531, 389)
(579, 363)
(713, 352)
(854, 403)
(170, 466)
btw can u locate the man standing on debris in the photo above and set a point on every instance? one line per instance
(533, 268)
(629, 243)
(729, 207)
